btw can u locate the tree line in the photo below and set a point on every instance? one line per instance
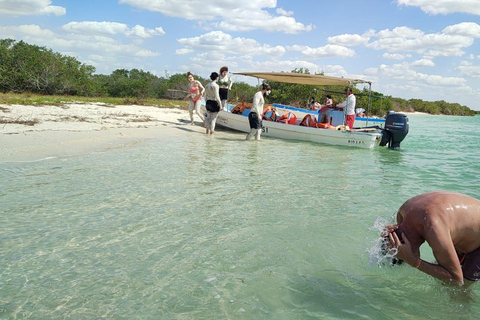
(31, 68)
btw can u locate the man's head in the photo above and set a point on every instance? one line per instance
(266, 89)
(386, 248)
(213, 76)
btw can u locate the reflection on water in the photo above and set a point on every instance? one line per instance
(217, 228)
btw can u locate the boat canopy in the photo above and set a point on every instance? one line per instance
(303, 78)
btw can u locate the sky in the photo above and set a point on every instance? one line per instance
(410, 49)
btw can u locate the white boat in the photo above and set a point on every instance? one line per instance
(372, 132)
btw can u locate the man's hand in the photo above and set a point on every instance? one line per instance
(388, 229)
(404, 250)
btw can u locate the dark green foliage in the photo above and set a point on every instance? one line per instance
(25, 67)
(242, 92)
(30, 68)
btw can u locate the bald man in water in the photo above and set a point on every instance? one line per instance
(450, 223)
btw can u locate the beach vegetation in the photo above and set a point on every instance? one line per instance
(34, 75)
(19, 120)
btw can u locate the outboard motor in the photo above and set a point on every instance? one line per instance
(396, 129)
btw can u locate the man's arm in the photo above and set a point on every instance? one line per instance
(448, 268)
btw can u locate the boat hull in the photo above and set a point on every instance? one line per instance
(368, 139)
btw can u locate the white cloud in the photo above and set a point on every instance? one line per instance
(404, 39)
(467, 69)
(183, 51)
(284, 12)
(350, 40)
(30, 7)
(234, 15)
(423, 63)
(222, 42)
(330, 50)
(146, 53)
(434, 7)
(87, 45)
(111, 28)
(396, 56)
(466, 29)
(403, 71)
(25, 32)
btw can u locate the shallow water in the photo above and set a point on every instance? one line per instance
(198, 227)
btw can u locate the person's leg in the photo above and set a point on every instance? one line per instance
(251, 133)
(350, 121)
(190, 111)
(213, 121)
(257, 136)
(197, 109)
(208, 121)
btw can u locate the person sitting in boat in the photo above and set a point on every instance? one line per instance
(360, 112)
(309, 121)
(328, 101)
(314, 105)
(324, 123)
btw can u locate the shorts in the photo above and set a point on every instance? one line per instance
(255, 122)
(223, 92)
(212, 106)
(350, 121)
(470, 263)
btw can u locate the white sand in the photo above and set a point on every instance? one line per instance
(77, 129)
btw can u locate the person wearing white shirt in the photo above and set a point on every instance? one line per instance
(255, 115)
(349, 106)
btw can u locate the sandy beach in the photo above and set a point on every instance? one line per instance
(29, 133)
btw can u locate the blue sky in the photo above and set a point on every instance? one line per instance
(424, 49)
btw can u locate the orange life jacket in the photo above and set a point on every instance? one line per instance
(288, 118)
(269, 114)
(309, 121)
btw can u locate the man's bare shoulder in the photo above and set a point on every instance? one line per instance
(439, 204)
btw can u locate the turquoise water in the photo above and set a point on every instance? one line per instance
(199, 227)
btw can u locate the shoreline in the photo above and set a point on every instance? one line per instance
(31, 133)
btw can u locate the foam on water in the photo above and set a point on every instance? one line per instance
(376, 254)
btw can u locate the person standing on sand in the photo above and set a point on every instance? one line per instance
(212, 103)
(450, 223)
(349, 105)
(194, 103)
(255, 115)
(225, 83)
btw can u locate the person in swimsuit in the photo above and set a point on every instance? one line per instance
(225, 83)
(195, 92)
(195, 104)
(450, 223)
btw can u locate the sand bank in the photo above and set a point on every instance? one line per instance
(29, 133)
